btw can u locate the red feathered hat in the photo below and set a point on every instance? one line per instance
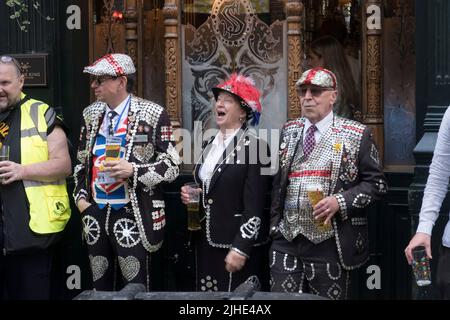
(244, 89)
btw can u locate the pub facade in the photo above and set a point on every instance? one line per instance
(183, 48)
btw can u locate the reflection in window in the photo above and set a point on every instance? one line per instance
(399, 62)
(340, 19)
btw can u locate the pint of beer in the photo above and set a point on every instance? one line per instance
(193, 207)
(112, 148)
(112, 153)
(315, 194)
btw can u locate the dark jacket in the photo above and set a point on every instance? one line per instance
(154, 160)
(236, 198)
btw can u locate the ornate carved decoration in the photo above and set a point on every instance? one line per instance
(294, 9)
(170, 11)
(233, 39)
(171, 78)
(373, 88)
(372, 93)
(295, 52)
(173, 74)
(374, 106)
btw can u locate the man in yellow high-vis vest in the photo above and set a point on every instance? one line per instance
(34, 202)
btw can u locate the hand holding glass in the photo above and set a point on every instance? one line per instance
(193, 206)
(112, 153)
(4, 152)
(4, 155)
(315, 194)
(421, 266)
(112, 148)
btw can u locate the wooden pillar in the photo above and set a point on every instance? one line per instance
(372, 91)
(293, 16)
(173, 62)
(133, 43)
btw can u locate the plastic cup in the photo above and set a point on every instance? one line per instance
(421, 266)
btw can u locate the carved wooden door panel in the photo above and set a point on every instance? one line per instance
(108, 28)
(153, 60)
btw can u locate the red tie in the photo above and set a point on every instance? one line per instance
(310, 141)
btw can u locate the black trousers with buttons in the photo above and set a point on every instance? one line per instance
(116, 253)
(301, 266)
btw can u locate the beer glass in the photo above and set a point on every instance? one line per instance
(4, 154)
(315, 194)
(112, 148)
(193, 206)
(112, 153)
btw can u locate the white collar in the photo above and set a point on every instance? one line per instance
(323, 125)
(228, 139)
(120, 108)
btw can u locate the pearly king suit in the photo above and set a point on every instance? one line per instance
(346, 162)
(149, 148)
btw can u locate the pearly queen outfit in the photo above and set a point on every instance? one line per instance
(345, 162)
(126, 220)
(232, 210)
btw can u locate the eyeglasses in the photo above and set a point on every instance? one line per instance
(315, 92)
(8, 59)
(98, 80)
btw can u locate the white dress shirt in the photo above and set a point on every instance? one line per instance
(437, 183)
(121, 109)
(322, 127)
(219, 145)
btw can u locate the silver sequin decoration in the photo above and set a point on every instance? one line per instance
(361, 201)
(250, 229)
(130, 267)
(99, 266)
(126, 233)
(91, 229)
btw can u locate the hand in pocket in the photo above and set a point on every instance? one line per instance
(83, 205)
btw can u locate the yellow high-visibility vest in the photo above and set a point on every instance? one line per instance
(49, 201)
